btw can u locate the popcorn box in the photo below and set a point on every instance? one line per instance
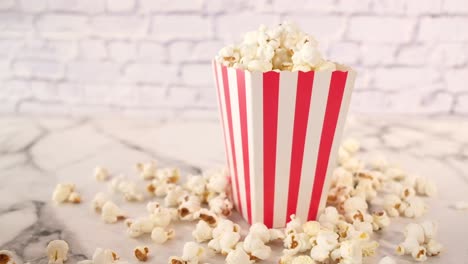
(282, 131)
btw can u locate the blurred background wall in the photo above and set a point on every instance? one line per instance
(152, 57)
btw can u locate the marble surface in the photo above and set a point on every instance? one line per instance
(37, 153)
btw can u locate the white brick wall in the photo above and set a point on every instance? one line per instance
(152, 57)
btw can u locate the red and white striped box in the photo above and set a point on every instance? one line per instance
(282, 131)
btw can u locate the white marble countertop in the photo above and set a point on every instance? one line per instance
(37, 153)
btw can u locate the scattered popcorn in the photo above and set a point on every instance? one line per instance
(168, 175)
(101, 174)
(136, 228)
(419, 254)
(62, 192)
(256, 247)
(57, 251)
(433, 248)
(192, 252)
(295, 225)
(221, 205)
(351, 252)
(174, 193)
(141, 253)
(8, 257)
(238, 256)
(419, 241)
(74, 197)
(218, 181)
(111, 213)
(387, 260)
(203, 232)
(98, 201)
(424, 186)
(160, 236)
(176, 260)
(147, 170)
(105, 256)
(380, 220)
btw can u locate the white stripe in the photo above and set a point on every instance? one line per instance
(254, 101)
(226, 132)
(286, 110)
(338, 132)
(236, 128)
(318, 104)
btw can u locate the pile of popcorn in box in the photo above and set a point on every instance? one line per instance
(343, 233)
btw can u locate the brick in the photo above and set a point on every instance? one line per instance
(363, 78)
(44, 91)
(15, 90)
(170, 5)
(150, 73)
(400, 78)
(123, 95)
(4, 69)
(461, 106)
(206, 50)
(231, 27)
(344, 52)
(180, 51)
(151, 51)
(119, 26)
(181, 97)
(393, 7)
(15, 24)
(93, 71)
(323, 28)
(380, 29)
(377, 54)
(445, 29)
(180, 27)
(33, 6)
(151, 96)
(352, 6)
(197, 74)
(122, 50)
(457, 79)
(429, 7)
(96, 94)
(302, 6)
(71, 93)
(49, 49)
(413, 55)
(40, 69)
(369, 102)
(449, 54)
(10, 47)
(92, 49)
(222, 7)
(455, 6)
(208, 98)
(51, 24)
(420, 100)
(120, 5)
(7, 4)
(82, 6)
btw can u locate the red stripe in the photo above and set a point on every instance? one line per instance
(215, 67)
(231, 135)
(270, 125)
(245, 141)
(303, 96)
(335, 96)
